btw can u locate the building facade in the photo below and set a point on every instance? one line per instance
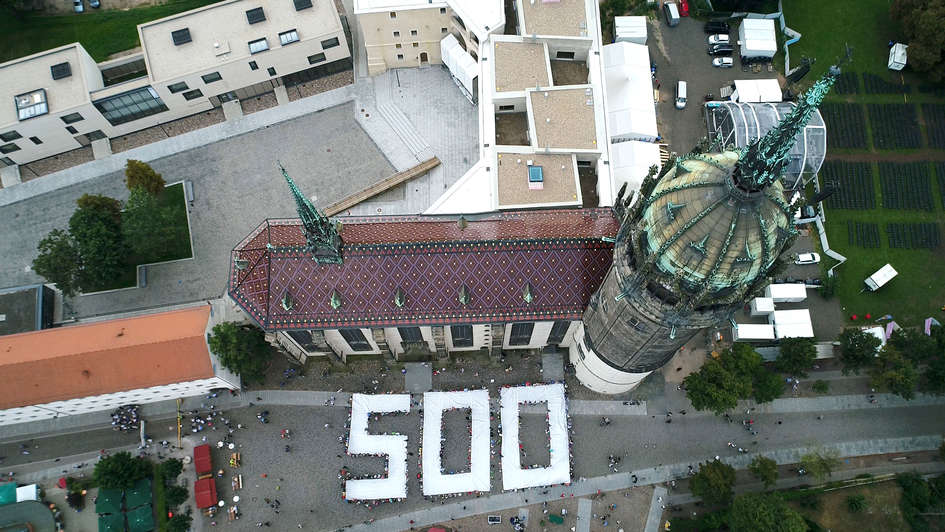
(189, 63)
(100, 366)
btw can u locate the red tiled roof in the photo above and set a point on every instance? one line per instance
(105, 357)
(562, 255)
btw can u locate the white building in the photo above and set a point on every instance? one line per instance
(100, 366)
(190, 62)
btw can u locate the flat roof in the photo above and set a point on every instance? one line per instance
(566, 18)
(521, 65)
(560, 183)
(374, 6)
(225, 24)
(105, 357)
(564, 118)
(21, 309)
(27, 74)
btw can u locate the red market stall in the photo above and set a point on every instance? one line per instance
(202, 464)
(205, 492)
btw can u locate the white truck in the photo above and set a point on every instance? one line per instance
(880, 277)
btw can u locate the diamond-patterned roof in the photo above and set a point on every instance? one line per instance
(561, 254)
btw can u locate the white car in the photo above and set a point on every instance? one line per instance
(720, 38)
(722, 62)
(807, 258)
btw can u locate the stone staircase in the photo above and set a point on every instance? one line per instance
(398, 121)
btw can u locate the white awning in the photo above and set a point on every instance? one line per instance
(757, 90)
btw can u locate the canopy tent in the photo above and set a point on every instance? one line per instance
(757, 38)
(435, 482)
(739, 123)
(463, 68)
(394, 446)
(202, 463)
(791, 323)
(631, 109)
(631, 162)
(108, 501)
(205, 492)
(878, 332)
(139, 495)
(140, 519)
(630, 29)
(752, 332)
(27, 493)
(7, 493)
(757, 90)
(111, 522)
(559, 469)
(786, 292)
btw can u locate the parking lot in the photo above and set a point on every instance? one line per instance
(680, 54)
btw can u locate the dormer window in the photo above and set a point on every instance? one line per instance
(31, 104)
(62, 70)
(181, 36)
(255, 15)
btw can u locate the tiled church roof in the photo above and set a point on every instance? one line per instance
(423, 263)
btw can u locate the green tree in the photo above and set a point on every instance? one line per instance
(914, 344)
(856, 503)
(242, 350)
(894, 372)
(753, 512)
(148, 227)
(857, 350)
(714, 482)
(58, 261)
(141, 175)
(767, 386)
(180, 522)
(95, 228)
(820, 463)
(170, 469)
(921, 23)
(941, 451)
(796, 356)
(121, 471)
(765, 470)
(175, 495)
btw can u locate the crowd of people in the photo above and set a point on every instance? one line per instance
(126, 418)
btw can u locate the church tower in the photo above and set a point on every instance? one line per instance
(697, 243)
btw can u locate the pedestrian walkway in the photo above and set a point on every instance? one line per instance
(584, 515)
(552, 366)
(659, 501)
(418, 377)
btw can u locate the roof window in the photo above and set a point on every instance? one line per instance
(255, 15)
(302, 4)
(181, 36)
(61, 70)
(31, 104)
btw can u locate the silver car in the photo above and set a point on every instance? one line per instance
(77, 6)
(722, 62)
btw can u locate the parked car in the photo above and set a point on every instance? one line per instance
(720, 38)
(717, 26)
(684, 8)
(77, 6)
(722, 62)
(681, 94)
(807, 258)
(95, 4)
(672, 13)
(721, 49)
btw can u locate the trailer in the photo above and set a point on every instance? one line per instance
(897, 56)
(463, 68)
(880, 277)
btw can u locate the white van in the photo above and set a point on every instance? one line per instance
(672, 13)
(680, 95)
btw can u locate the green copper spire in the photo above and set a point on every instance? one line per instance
(321, 235)
(761, 162)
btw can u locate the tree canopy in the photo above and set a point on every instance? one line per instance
(59, 262)
(921, 23)
(820, 463)
(764, 469)
(141, 175)
(894, 372)
(242, 350)
(796, 356)
(857, 350)
(121, 471)
(737, 373)
(752, 512)
(96, 228)
(148, 227)
(714, 482)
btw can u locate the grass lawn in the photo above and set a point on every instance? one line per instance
(102, 33)
(881, 514)
(172, 196)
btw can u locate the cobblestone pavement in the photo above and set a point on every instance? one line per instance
(236, 185)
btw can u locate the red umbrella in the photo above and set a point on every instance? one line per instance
(62, 482)
(854, 317)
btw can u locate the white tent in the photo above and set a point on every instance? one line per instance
(559, 469)
(762, 306)
(630, 29)
(897, 56)
(631, 161)
(394, 446)
(462, 67)
(757, 90)
(477, 479)
(786, 292)
(791, 323)
(631, 109)
(27, 493)
(750, 332)
(757, 38)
